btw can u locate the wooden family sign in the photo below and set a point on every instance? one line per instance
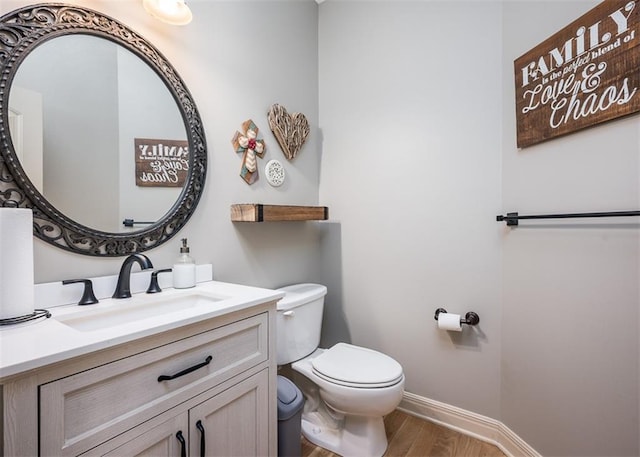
(585, 74)
(161, 163)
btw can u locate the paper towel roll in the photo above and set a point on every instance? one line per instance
(449, 321)
(16, 262)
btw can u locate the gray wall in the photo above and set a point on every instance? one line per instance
(146, 109)
(95, 104)
(237, 59)
(570, 294)
(79, 159)
(418, 121)
(410, 118)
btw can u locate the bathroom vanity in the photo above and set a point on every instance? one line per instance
(183, 372)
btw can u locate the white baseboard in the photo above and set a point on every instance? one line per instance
(469, 423)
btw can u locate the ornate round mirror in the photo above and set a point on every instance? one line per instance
(98, 134)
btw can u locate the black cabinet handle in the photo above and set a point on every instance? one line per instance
(200, 427)
(183, 444)
(165, 377)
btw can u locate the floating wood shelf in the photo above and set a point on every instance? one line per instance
(255, 212)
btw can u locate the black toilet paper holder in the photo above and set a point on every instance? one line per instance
(470, 318)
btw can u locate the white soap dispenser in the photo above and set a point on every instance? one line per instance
(184, 270)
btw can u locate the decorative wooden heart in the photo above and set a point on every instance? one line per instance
(291, 130)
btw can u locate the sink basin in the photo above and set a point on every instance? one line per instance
(125, 311)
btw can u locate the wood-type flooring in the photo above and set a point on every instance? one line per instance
(411, 436)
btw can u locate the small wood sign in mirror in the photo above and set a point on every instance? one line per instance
(22, 33)
(161, 163)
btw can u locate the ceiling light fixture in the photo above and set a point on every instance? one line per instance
(174, 12)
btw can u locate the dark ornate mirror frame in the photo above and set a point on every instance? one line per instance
(20, 32)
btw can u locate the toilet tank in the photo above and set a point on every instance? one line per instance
(299, 321)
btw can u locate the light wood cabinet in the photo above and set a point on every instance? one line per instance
(167, 439)
(230, 423)
(211, 383)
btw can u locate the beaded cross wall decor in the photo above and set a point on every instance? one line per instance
(251, 147)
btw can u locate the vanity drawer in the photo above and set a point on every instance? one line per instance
(83, 410)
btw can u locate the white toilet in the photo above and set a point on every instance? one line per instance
(349, 389)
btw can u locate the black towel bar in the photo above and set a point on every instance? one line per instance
(131, 223)
(512, 218)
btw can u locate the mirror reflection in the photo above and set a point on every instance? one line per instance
(97, 132)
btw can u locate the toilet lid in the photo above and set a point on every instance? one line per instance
(355, 366)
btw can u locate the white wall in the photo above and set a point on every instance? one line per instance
(410, 99)
(237, 59)
(570, 310)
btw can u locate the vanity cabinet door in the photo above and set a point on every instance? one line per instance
(79, 412)
(168, 439)
(233, 423)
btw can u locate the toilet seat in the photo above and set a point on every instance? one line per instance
(353, 366)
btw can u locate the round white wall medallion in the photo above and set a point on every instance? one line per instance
(274, 172)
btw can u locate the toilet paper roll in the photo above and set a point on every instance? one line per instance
(16, 262)
(449, 321)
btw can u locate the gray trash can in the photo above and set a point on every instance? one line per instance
(290, 403)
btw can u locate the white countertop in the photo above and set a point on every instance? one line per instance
(36, 344)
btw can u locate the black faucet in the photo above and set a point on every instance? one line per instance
(123, 289)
